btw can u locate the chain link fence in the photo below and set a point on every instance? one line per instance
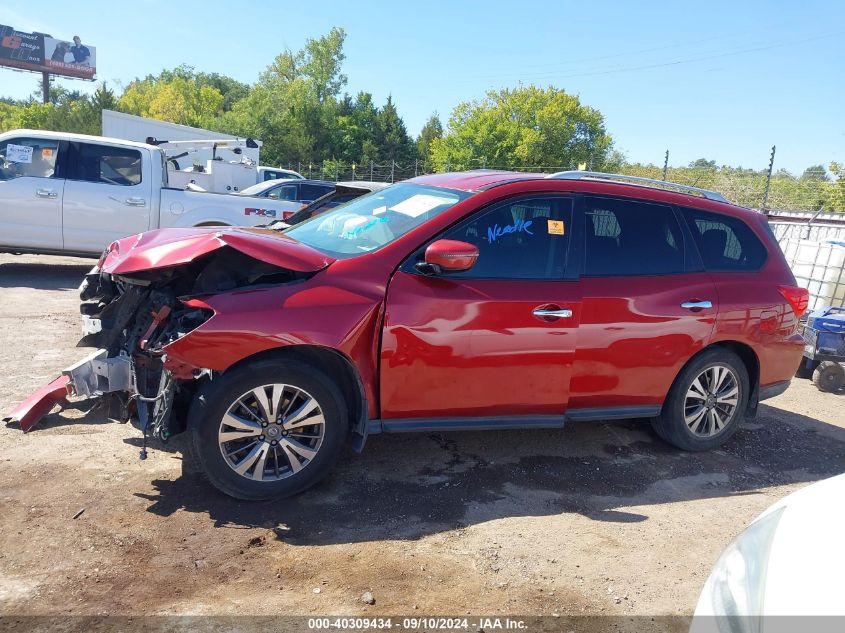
(812, 191)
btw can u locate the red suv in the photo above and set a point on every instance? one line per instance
(482, 300)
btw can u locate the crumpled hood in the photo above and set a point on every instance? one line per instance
(162, 248)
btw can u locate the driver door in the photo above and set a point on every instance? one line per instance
(475, 343)
(108, 195)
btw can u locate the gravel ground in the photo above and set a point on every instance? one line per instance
(598, 518)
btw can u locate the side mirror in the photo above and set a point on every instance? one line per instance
(448, 256)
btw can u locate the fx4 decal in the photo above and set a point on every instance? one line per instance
(265, 213)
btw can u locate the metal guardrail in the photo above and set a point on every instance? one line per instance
(637, 180)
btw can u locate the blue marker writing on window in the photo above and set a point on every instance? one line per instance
(364, 227)
(495, 232)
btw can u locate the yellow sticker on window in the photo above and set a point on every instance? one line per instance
(555, 227)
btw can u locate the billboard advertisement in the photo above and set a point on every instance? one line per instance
(43, 53)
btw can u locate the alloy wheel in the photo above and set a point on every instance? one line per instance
(271, 432)
(711, 401)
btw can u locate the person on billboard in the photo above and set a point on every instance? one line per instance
(81, 54)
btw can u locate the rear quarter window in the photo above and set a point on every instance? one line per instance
(726, 243)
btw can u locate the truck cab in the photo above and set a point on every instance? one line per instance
(74, 194)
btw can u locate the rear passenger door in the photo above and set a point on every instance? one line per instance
(647, 304)
(108, 195)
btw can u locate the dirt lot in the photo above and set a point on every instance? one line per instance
(596, 518)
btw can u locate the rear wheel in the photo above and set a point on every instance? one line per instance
(829, 376)
(706, 403)
(268, 430)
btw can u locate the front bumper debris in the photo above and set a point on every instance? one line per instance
(95, 376)
(29, 412)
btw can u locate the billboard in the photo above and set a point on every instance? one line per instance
(43, 53)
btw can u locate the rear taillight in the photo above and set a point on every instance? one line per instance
(797, 297)
(287, 214)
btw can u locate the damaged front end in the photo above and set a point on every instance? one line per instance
(131, 316)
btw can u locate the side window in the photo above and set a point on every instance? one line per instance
(726, 243)
(312, 192)
(520, 239)
(285, 192)
(624, 237)
(21, 157)
(104, 164)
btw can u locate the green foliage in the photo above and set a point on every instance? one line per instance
(391, 137)
(432, 129)
(67, 111)
(747, 186)
(176, 96)
(527, 126)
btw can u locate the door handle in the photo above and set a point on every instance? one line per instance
(130, 202)
(554, 313)
(695, 306)
(46, 193)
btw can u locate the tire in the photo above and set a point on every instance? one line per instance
(704, 432)
(829, 376)
(291, 458)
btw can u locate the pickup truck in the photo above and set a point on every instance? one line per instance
(72, 194)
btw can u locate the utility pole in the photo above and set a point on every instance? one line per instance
(45, 86)
(768, 179)
(666, 166)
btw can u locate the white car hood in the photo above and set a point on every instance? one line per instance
(806, 571)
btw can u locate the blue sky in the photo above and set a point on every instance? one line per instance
(721, 80)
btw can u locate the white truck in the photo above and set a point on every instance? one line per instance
(218, 174)
(73, 194)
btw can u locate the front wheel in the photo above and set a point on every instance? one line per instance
(268, 430)
(706, 403)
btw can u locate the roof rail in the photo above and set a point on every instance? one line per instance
(637, 180)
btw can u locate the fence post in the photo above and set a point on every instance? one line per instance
(448, 165)
(353, 171)
(415, 168)
(392, 169)
(666, 166)
(322, 170)
(309, 171)
(335, 172)
(299, 165)
(768, 179)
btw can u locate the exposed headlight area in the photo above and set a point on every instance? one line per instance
(732, 598)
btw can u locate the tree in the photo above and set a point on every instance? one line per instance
(298, 94)
(703, 163)
(523, 127)
(835, 199)
(815, 173)
(391, 137)
(431, 130)
(356, 121)
(175, 96)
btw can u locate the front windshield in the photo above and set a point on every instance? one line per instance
(374, 220)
